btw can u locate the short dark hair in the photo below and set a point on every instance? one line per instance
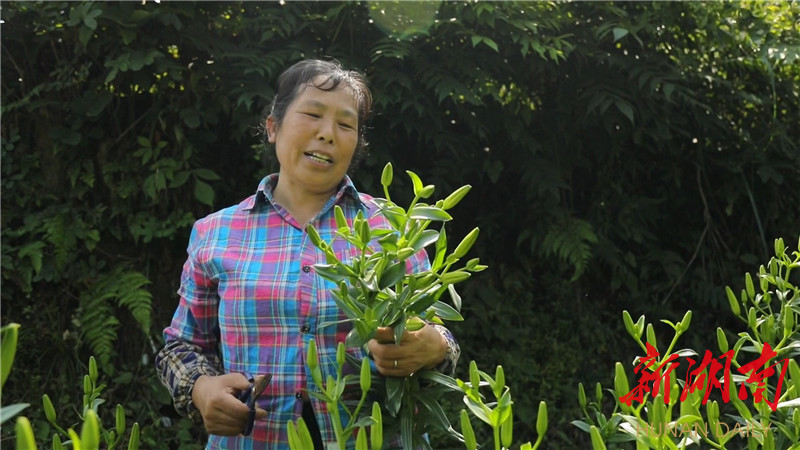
(326, 75)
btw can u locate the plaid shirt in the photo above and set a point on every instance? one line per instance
(250, 302)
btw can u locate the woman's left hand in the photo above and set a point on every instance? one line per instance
(424, 348)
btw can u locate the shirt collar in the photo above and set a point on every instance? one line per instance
(264, 194)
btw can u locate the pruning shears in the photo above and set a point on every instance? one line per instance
(250, 395)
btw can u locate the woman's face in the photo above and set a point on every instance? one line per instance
(316, 139)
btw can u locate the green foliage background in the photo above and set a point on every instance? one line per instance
(628, 155)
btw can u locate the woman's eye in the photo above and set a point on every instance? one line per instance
(311, 114)
(346, 125)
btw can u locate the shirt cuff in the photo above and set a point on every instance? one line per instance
(453, 352)
(179, 365)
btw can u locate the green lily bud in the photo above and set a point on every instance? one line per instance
(621, 386)
(386, 175)
(507, 430)
(794, 376)
(313, 235)
(466, 243)
(313, 363)
(93, 369)
(361, 439)
(340, 356)
(469, 434)
(674, 391)
(769, 441)
(87, 385)
(651, 335)
(767, 329)
(541, 419)
(304, 435)
(732, 301)
(658, 408)
(311, 354)
(90, 432)
(294, 440)
(376, 430)
(581, 396)
(780, 247)
(751, 318)
(499, 382)
(366, 375)
(414, 323)
(120, 419)
(763, 281)
(405, 253)
(722, 341)
(750, 289)
(788, 321)
(133, 443)
(57, 445)
(24, 433)
(74, 438)
(8, 341)
(597, 440)
(628, 321)
(598, 393)
(427, 191)
(684, 323)
(338, 214)
(639, 327)
(49, 410)
(363, 231)
(474, 376)
(415, 182)
(454, 198)
(454, 277)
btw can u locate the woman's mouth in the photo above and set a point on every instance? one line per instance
(319, 157)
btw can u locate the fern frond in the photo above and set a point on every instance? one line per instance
(60, 237)
(98, 325)
(137, 300)
(570, 239)
(99, 308)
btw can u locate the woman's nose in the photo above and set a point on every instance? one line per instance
(325, 132)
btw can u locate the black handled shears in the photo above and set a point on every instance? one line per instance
(250, 395)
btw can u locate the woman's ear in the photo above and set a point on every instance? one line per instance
(272, 129)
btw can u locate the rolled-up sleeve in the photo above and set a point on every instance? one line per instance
(191, 340)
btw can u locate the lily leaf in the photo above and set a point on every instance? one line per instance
(392, 275)
(425, 212)
(446, 312)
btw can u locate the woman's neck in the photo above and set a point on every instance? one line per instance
(302, 204)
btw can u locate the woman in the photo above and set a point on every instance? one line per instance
(249, 299)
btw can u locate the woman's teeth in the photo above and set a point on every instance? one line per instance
(319, 157)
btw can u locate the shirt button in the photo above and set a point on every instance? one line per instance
(298, 395)
(306, 269)
(306, 329)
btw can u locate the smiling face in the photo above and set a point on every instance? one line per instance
(316, 139)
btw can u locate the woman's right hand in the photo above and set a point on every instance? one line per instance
(216, 399)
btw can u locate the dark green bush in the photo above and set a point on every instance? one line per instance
(632, 155)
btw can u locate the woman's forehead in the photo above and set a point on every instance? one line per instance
(343, 97)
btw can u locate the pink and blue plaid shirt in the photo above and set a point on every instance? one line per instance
(250, 302)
